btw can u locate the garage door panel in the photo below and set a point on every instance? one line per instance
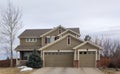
(87, 59)
(59, 59)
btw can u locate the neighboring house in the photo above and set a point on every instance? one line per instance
(59, 47)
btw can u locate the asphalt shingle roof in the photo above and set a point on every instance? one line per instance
(36, 33)
(26, 48)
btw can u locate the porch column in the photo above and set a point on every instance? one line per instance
(43, 58)
(98, 58)
(75, 55)
(75, 59)
(41, 54)
(77, 52)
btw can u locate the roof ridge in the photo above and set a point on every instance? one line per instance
(38, 29)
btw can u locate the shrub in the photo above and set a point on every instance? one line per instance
(34, 60)
(111, 65)
(105, 61)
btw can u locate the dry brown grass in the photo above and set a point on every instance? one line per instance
(110, 71)
(13, 71)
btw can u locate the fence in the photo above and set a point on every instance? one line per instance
(6, 63)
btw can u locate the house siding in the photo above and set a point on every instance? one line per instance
(87, 46)
(62, 45)
(70, 33)
(54, 33)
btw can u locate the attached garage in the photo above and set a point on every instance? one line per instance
(58, 59)
(87, 58)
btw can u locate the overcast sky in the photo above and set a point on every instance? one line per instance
(89, 15)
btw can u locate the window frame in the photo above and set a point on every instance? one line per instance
(68, 40)
(31, 39)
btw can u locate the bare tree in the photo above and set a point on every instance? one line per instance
(111, 49)
(10, 25)
(116, 56)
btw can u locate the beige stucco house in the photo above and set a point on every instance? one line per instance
(58, 47)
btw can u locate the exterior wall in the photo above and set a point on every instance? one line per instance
(54, 33)
(62, 45)
(87, 46)
(23, 42)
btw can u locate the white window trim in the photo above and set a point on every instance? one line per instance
(29, 39)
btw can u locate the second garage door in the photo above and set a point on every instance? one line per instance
(87, 58)
(59, 59)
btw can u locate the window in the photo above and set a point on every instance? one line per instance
(57, 37)
(27, 39)
(69, 40)
(49, 39)
(80, 53)
(85, 52)
(31, 39)
(60, 30)
(52, 39)
(26, 55)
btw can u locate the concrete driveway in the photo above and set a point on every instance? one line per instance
(57, 70)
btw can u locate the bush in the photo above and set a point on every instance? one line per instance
(34, 60)
(111, 65)
(105, 61)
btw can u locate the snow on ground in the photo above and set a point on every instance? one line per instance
(25, 68)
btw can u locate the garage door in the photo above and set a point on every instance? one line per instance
(87, 58)
(59, 59)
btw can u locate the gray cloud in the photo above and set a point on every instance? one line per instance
(89, 15)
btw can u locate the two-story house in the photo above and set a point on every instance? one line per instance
(59, 47)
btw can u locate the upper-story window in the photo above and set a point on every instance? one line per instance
(69, 40)
(31, 39)
(49, 39)
(60, 30)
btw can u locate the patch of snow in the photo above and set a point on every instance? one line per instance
(26, 69)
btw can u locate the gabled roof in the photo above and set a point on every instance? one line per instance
(36, 33)
(33, 33)
(84, 43)
(60, 40)
(52, 30)
(69, 30)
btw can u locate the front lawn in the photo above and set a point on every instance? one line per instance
(13, 71)
(110, 71)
